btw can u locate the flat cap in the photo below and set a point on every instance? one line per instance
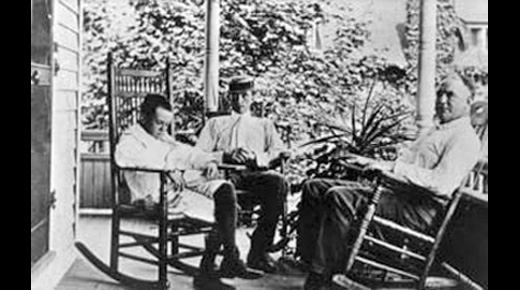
(241, 84)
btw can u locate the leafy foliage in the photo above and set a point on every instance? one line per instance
(358, 101)
(372, 127)
(265, 39)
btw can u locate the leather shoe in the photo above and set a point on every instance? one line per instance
(235, 268)
(317, 282)
(262, 262)
(203, 282)
(207, 265)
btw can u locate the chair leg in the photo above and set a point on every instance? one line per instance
(163, 236)
(285, 227)
(174, 241)
(114, 250)
(371, 210)
(163, 251)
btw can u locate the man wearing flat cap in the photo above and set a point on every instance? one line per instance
(244, 139)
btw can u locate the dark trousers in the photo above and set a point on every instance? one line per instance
(269, 189)
(226, 222)
(328, 209)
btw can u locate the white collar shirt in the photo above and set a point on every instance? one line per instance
(442, 158)
(259, 135)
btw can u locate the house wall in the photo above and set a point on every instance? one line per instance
(64, 156)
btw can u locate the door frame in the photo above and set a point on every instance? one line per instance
(46, 74)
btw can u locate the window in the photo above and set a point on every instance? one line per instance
(479, 36)
(474, 36)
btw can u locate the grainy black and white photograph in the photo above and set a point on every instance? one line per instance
(259, 144)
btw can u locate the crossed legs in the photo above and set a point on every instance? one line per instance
(326, 215)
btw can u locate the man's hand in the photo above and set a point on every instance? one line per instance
(177, 181)
(284, 155)
(382, 166)
(238, 156)
(211, 171)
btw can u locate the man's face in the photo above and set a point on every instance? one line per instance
(241, 101)
(160, 122)
(452, 101)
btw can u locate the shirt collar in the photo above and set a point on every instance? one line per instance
(458, 123)
(142, 135)
(237, 115)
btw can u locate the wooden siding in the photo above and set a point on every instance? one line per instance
(67, 81)
(67, 16)
(66, 38)
(68, 60)
(66, 93)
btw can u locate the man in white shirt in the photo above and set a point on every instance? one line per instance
(196, 189)
(436, 162)
(243, 139)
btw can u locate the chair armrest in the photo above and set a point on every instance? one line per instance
(347, 165)
(393, 181)
(232, 167)
(277, 162)
(388, 179)
(144, 169)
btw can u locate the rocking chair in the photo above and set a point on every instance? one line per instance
(386, 254)
(127, 89)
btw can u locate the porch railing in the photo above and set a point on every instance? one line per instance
(95, 170)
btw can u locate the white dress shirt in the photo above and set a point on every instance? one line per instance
(137, 148)
(222, 134)
(442, 158)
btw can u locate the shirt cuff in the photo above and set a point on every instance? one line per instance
(219, 157)
(262, 160)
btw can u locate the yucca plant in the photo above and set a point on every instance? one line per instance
(372, 129)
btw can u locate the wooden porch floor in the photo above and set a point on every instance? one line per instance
(94, 232)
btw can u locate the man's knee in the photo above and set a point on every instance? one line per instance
(315, 189)
(276, 178)
(276, 182)
(341, 197)
(226, 193)
(312, 188)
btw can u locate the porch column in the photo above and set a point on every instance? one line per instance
(211, 75)
(426, 93)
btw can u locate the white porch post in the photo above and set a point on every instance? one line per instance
(426, 93)
(211, 75)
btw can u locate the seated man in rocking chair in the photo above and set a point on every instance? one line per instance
(437, 162)
(241, 138)
(198, 188)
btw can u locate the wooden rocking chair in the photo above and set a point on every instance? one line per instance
(397, 262)
(127, 89)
